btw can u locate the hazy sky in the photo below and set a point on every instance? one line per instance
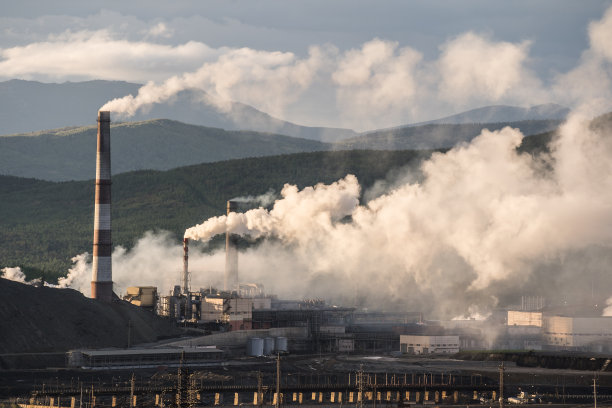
(347, 63)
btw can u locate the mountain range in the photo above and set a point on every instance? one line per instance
(29, 106)
(69, 153)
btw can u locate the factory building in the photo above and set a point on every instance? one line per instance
(522, 318)
(412, 344)
(143, 296)
(578, 333)
(236, 312)
(143, 357)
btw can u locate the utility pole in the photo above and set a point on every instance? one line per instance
(259, 389)
(360, 387)
(132, 387)
(278, 376)
(179, 382)
(129, 339)
(501, 385)
(595, 390)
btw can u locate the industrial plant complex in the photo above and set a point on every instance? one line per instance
(243, 346)
(242, 319)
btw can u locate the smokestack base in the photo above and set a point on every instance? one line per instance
(102, 291)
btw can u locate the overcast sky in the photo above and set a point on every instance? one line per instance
(353, 63)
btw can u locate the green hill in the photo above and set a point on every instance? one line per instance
(438, 135)
(69, 154)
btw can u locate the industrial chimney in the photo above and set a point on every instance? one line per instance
(231, 255)
(102, 274)
(186, 278)
(186, 266)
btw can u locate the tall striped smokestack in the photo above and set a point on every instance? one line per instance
(231, 255)
(102, 274)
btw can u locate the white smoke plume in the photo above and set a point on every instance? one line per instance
(322, 205)
(79, 276)
(264, 200)
(237, 75)
(475, 229)
(14, 274)
(482, 226)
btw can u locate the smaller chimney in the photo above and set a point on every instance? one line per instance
(231, 254)
(186, 278)
(186, 265)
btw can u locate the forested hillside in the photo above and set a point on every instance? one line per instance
(438, 135)
(44, 224)
(69, 154)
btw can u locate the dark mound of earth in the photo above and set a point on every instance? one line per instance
(43, 319)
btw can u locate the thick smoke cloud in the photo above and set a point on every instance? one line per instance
(237, 75)
(477, 228)
(474, 69)
(480, 227)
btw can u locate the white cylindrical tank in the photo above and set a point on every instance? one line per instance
(255, 347)
(281, 345)
(268, 346)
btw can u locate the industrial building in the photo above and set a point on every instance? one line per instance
(143, 357)
(578, 333)
(522, 318)
(412, 344)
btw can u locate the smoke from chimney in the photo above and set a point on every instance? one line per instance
(230, 281)
(102, 277)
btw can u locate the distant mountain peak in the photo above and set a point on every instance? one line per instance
(504, 113)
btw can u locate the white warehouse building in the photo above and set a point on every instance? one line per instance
(414, 344)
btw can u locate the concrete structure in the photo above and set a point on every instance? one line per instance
(262, 303)
(429, 344)
(143, 296)
(235, 311)
(230, 282)
(102, 277)
(578, 333)
(521, 318)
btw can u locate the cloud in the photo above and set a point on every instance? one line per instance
(377, 84)
(100, 55)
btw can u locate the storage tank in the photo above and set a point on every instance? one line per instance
(281, 345)
(255, 347)
(268, 346)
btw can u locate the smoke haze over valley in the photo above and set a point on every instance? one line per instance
(459, 232)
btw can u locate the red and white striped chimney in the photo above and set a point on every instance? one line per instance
(231, 255)
(102, 275)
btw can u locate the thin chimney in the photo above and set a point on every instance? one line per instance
(186, 266)
(231, 255)
(102, 276)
